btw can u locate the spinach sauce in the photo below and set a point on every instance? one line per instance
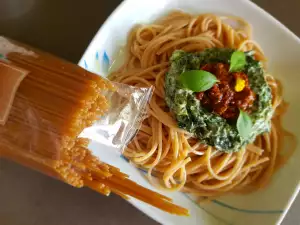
(210, 128)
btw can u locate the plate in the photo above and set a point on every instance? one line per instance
(281, 46)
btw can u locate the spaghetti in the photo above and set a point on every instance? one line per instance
(175, 157)
(53, 104)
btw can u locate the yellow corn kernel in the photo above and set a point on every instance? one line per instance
(239, 85)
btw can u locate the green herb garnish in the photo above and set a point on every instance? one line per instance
(237, 61)
(244, 125)
(198, 80)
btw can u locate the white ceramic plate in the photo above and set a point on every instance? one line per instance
(282, 47)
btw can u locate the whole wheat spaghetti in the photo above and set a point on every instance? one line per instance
(52, 105)
(175, 157)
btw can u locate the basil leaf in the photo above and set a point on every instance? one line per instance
(237, 61)
(197, 80)
(244, 125)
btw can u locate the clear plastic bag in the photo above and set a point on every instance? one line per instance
(126, 112)
(58, 108)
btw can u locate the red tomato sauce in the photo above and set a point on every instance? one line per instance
(222, 98)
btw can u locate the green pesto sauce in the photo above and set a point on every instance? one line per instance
(209, 127)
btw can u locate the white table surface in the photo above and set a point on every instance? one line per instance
(30, 198)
